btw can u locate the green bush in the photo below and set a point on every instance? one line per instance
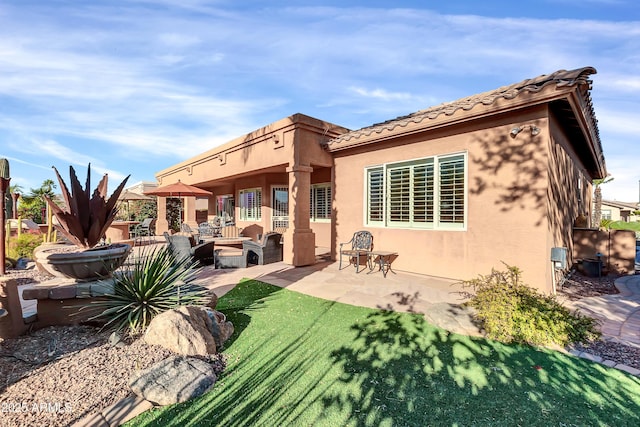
(23, 245)
(154, 283)
(513, 312)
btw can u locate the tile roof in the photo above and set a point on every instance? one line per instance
(621, 205)
(561, 78)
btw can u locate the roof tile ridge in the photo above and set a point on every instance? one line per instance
(561, 78)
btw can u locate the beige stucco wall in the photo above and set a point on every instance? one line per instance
(618, 248)
(569, 191)
(286, 153)
(507, 213)
(614, 212)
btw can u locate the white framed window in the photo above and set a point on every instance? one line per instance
(320, 202)
(225, 207)
(421, 193)
(251, 204)
(279, 207)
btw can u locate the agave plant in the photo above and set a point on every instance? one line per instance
(156, 281)
(85, 218)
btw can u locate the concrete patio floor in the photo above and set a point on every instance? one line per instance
(436, 298)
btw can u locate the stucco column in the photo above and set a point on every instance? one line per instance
(162, 224)
(189, 212)
(299, 241)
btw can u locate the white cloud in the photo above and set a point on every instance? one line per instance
(620, 125)
(176, 40)
(380, 94)
(193, 74)
(66, 154)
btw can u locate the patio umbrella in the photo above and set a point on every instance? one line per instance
(178, 189)
(127, 196)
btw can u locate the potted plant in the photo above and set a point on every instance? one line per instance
(84, 221)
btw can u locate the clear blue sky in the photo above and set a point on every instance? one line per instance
(136, 86)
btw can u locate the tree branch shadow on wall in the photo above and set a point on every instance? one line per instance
(516, 158)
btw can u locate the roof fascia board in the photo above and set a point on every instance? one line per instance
(579, 105)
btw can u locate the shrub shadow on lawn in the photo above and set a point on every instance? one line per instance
(409, 373)
(301, 360)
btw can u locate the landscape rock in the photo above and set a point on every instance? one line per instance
(21, 263)
(185, 330)
(221, 329)
(174, 380)
(213, 300)
(115, 340)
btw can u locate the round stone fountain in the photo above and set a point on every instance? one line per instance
(92, 264)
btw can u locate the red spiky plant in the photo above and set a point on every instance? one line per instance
(85, 219)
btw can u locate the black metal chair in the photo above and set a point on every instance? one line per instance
(267, 251)
(184, 246)
(361, 244)
(147, 228)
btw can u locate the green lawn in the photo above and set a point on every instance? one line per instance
(623, 225)
(302, 361)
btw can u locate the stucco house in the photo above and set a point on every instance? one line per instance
(619, 211)
(455, 189)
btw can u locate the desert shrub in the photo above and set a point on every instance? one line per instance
(156, 281)
(23, 245)
(513, 312)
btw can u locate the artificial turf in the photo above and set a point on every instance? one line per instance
(302, 361)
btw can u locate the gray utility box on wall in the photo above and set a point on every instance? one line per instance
(559, 257)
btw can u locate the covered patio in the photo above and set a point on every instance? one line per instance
(276, 178)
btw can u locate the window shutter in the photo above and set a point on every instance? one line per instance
(423, 187)
(399, 194)
(451, 179)
(375, 195)
(251, 204)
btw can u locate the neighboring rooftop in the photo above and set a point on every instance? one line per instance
(621, 205)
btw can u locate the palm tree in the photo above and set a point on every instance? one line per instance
(14, 190)
(597, 200)
(33, 205)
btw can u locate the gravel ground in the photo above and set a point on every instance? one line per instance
(58, 375)
(579, 286)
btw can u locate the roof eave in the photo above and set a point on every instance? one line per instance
(414, 126)
(582, 106)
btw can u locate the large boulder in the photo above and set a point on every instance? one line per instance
(184, 330)
(174, 380)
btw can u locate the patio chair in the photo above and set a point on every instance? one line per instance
(183, 246)
(206, 230)
(267, 251)
(361, 244)
(216, 221)
(147, 228)
(184, 228)
(226, 219)
(231, 231)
